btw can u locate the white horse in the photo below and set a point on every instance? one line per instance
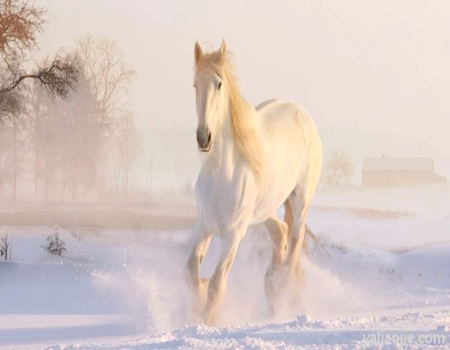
(256, 160)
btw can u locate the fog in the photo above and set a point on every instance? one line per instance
(374, 76)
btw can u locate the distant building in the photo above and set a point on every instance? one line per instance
(398, 172)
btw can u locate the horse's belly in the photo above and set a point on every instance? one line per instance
(275, 192)
(285, 159)
(271, 200)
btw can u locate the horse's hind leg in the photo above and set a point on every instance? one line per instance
(199, 286)
(299, 202)
(300, 208)
(278, 231)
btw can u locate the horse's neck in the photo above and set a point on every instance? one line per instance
(226, 156)
(223, 156)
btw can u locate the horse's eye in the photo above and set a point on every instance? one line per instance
(219, 85)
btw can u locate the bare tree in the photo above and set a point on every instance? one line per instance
(339, 169)
(109, 77)
(6, 155)
(5, 247)
(37, 114)
(70, 143)
(82, 144)
(50, 128)
(65, 141)
(126, 142)
(12, 139)
(20, 22)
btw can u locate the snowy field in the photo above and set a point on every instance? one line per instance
(381, 278)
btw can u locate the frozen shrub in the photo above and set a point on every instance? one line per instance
(338, 171)
(5, 247)
(56, 245)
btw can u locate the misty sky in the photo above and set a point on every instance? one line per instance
(374, 74)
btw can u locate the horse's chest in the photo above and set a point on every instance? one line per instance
(224, 201)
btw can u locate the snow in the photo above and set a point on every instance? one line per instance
(381, 278)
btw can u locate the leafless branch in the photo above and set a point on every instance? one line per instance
(58, 78)
(20, 22)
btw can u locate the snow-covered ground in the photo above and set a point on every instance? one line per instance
(381, 278)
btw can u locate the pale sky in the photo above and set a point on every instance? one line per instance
(375, 75)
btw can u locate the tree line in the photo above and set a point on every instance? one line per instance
(67, 132)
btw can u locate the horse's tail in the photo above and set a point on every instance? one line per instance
(315, 239)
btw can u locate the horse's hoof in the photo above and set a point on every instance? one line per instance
(210, 318)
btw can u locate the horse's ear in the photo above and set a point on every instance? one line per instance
(197, 52)
(223, 47)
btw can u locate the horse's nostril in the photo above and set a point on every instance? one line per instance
(209, 137)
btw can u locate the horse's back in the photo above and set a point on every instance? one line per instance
(265, 103)
(284, 118)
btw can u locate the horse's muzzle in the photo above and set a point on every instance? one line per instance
(204, 139)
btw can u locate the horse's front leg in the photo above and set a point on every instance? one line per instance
(217, 285)
(198, 286)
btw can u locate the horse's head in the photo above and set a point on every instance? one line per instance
(210, 88)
